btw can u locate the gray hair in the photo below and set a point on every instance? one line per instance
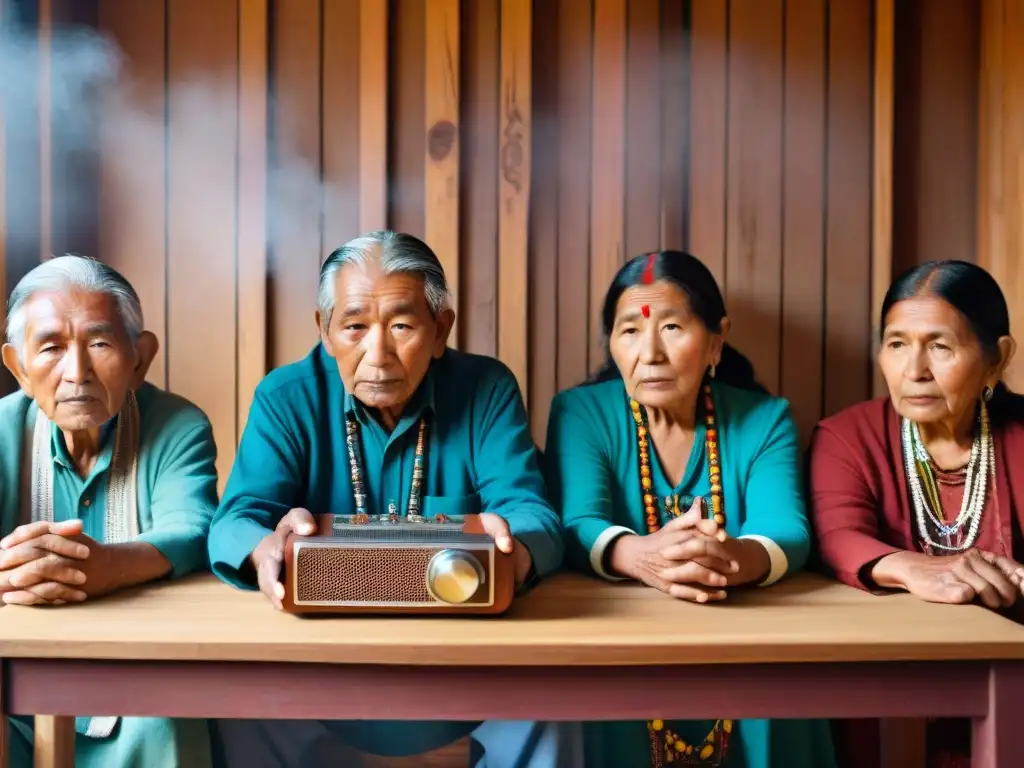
(69, 272)
(398, 253)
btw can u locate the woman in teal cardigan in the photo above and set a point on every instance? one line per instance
(676, 469)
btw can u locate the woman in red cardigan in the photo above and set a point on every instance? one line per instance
(917, 491)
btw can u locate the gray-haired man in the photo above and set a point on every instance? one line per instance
(106, 481)
(383, 367)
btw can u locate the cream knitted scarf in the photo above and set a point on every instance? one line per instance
(122, 511)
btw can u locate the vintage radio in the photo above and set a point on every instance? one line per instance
(397, 565)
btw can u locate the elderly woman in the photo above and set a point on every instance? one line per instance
(923, 491)
(106, 482)
(674, 424)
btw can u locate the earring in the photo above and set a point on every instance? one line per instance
(712, 371)
(987, 393)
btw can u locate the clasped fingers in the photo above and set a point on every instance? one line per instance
(50, 567)
(39, 547)
(713, 553)
(46, 593)
(693, 573)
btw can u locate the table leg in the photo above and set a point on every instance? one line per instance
(998, 737)
(55, 741)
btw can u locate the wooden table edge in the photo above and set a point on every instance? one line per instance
(991, 693)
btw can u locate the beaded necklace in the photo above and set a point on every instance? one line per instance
(666, 744)
(355, 460)
(981, 469)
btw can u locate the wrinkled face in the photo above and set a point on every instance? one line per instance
(382, 334)
(932, 361)
(661, 349)
(78, 361)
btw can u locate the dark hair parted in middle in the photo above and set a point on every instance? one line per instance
(966, 287)
(695, 280)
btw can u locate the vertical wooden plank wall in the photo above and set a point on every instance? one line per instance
(251, 232)
(535, 145)
(441, 177)
(133, 168)
(1001, 159)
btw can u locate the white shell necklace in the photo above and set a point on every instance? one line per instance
(980, 470)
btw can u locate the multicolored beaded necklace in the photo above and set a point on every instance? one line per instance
(666, 745)
(355, 460)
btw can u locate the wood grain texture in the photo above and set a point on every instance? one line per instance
(44, 37)
(568, 620)
(741, 131)
(54, 741)
(341, 101)
(709, 93)
(516, 127)
(578, 326)
(296, 166)
(675, 125)
(442, 145)
(1001, 159)
(133, 168)
(607, 181)
(373, 114)
(643, 152)
(478, 213)
(252, 233)
(935, 138)
(803, 211)
(882, 173)
(408, 103)
(542, 300)
(848, 369)
(202, 211)
(754, 183)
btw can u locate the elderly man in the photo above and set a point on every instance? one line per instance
(106, 482)
(382, 370)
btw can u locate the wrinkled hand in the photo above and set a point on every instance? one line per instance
(993, 579)
(497, 528)
(49, 564)
(689, 558)
(268, 557)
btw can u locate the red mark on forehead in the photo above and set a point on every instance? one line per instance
(649, 269)
(645, 310)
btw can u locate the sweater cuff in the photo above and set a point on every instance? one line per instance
(608, 535)
(232, 542)
(777, 556)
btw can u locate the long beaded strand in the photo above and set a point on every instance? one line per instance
(666, 745)
(355, 460)
(980, 470)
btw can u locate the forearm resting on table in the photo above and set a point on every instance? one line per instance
(889, 572)
(134, 563)
(755, 563)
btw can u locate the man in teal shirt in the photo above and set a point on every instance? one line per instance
(106, 482)
(383, 371)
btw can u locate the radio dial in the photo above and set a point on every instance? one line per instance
(454, 576)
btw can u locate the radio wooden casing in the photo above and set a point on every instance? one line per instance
(396, 566)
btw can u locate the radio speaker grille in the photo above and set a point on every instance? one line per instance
(370, 574)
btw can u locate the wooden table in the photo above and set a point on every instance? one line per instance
(574, 649)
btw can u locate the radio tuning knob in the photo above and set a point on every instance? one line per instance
(454, 576)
